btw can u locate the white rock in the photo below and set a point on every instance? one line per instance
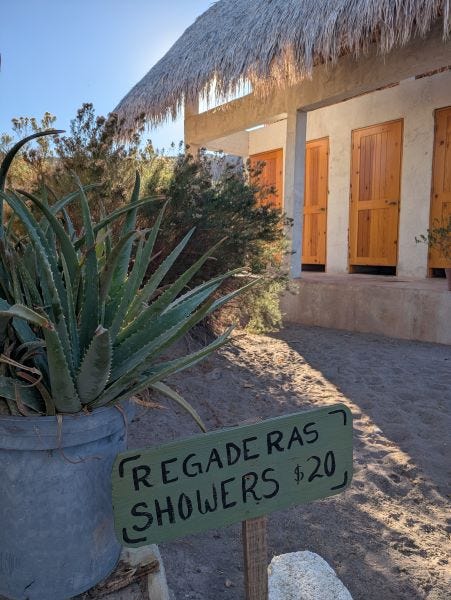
(304, 576)
(157, 587)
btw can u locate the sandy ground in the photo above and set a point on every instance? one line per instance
(386, 536)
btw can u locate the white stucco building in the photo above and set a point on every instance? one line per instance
(355, 134)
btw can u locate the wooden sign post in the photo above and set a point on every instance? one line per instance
(232, 475)
(255, 550)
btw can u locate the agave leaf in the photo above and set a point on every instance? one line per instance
(29, 285)
(129, 288)
(45, 225)
(149, 246)
(29, 260)
(24, 333)
(9, 228)
(151, 331)
(12, 263)
(31, 346)
(50, 277)
(63, 390)
(6, 163)
(67, 247)
(157, 277)
(17, 291)
(224, 299)
(108, 245)
(129, 225)
(5, 290)
(141, 378)
(70, 226)
(164, 389)
(124, 290)
(3, 322)
(164, 304)
(23, 312)
(95, 367)
(133, 354)
(71, 317)
(29, 396)
(116, 214)
(61, 204)
(168, 295)
(130, 221)
(89, 319)
(141, 265)
(167, 298)
(186, 295)
(154, 347)
(111, 265)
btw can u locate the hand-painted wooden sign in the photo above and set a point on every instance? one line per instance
(231, 475)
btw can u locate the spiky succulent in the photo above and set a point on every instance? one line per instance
(82, 324)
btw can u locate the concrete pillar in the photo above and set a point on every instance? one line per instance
(416, 173)
(294, 184)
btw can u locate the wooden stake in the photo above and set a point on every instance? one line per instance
(255, 558)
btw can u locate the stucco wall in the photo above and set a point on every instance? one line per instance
(236, 144)
(268, 138)
(412, 100)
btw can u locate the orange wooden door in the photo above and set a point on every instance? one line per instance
(441, 182)
(315, 202)
(270, 177)
(375, 194)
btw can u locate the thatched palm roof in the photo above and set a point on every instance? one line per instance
(271, 42)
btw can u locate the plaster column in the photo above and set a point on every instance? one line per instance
(294, 185)
(418, 98)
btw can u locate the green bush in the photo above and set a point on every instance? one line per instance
(226, 207)
(92, 149)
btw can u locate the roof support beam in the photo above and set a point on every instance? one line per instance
(329, 85)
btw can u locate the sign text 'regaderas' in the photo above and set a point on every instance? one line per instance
(224, 477)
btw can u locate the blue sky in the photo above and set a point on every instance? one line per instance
(57, 54)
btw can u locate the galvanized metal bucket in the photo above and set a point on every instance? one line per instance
(56, 520)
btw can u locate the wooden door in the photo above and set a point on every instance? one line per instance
(315, 202)
(441, 183)
(375, 194)
(270, 177)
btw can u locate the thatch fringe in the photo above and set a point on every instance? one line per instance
(271, 43)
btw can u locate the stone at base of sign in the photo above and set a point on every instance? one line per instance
(304, 576)
(140, 575)
(157, 587)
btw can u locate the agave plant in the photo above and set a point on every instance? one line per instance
(82, 324)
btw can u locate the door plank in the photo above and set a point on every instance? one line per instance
(315, 202)
(375, 194)
(270, 165)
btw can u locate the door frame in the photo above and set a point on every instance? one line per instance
(389, 122)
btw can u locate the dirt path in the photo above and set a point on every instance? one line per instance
(386, 536)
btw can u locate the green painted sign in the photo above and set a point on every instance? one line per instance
(219, 478)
